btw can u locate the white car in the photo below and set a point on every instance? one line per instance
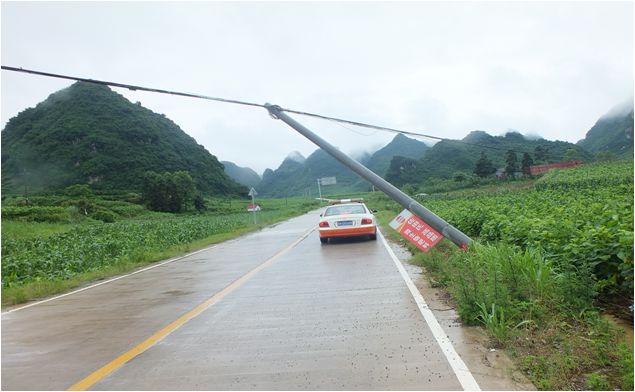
(351, 219)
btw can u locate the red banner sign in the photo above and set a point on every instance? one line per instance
(412, 228)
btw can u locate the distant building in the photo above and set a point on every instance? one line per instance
(501, 174)
(253, 207)
(539, 169)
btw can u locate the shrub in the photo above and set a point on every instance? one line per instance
(168, 192)
(597, 382)
(104, 216)
(79, 191)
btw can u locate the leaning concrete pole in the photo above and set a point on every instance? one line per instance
(448, 231)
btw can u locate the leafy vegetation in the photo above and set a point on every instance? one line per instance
(550, 255)
(91, 247)
(484, 167)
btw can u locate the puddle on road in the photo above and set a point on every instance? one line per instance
(492, 369)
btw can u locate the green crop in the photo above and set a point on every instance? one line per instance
(580, 219)
(91, 247)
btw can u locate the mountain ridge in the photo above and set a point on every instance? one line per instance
(242, 175)
(612, 133)
(89, 134)
(297, 178)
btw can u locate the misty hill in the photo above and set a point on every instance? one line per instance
(87, 133)
(400, 145)
(296, 157)
(612, 133)
(449, 156)
(297, 175)
(242, 175)
(299, 178)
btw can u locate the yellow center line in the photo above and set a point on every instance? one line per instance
(116, 363)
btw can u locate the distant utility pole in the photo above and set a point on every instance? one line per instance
(443, 227)
(319, 190)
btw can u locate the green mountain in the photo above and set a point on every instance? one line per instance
(242, 175)
(87, 133)
(379, 162)
(612, 133)
(299, 177)
(448, 157)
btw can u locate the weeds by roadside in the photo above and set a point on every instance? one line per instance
(535, 288)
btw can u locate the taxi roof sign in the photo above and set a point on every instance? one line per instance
(342, 201)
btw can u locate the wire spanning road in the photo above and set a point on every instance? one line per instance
(270, 310)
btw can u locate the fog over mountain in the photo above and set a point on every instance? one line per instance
(296, 157)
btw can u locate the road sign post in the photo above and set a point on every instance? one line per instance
(438, 224)
(412, 228)
(325, 181)
(253, 193)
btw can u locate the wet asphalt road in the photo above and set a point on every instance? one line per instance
(316, 317)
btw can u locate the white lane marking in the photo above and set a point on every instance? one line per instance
(108, 281)
(460, 369)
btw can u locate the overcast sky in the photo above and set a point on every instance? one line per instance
(446, 69)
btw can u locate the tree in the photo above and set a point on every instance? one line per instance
(199, 202)
(572, 154)
(410, 189)
(79, 190)
(512, 163)
(526, 163)
(168, 192)
(602, 156)
(484, 166)
(540, 153)
(459, 176)
(81, 197)
(7, 184)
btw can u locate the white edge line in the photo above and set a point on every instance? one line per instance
(461, 370)
(108, 281)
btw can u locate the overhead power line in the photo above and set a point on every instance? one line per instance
(245, 103)
(130, 86)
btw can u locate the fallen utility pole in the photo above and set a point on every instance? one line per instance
(443, 227)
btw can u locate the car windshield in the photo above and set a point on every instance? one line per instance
(343, 210)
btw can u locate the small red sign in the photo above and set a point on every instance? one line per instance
(415, 230)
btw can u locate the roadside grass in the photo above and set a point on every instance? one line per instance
(34, 234)
(527, 305)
